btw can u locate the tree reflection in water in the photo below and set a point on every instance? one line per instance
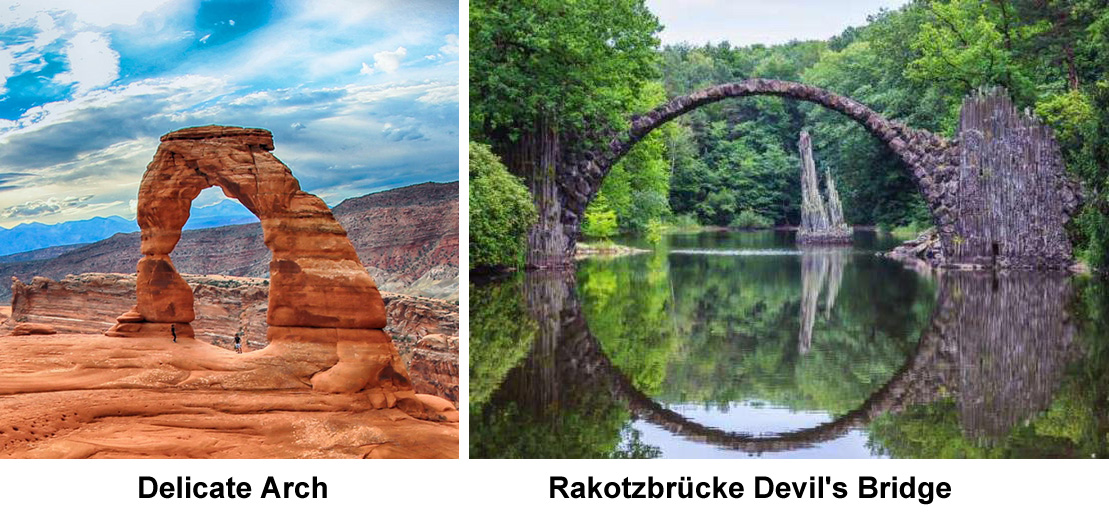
(998, 370)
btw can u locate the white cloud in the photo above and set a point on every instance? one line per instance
(92, 62)
(95, 14)
(48, 30)
(357, 95)
(7, 67)
(439, 95)
(204, 39)
(385, 61)
(34, 208)
(231, 23)
(451, 48)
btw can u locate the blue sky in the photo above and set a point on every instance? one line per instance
(744, 22)
(361, 95)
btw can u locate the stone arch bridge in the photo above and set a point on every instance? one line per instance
(998, 192)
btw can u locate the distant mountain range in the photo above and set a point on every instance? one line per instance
(29, 237)
(407, 238)
(35, 236)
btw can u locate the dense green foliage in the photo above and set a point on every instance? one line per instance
(638, 187)
(544, 73)
(501, 211)
(736, 156)
(555, 63)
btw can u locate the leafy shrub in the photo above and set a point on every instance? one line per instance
(683, 222)
(600, 219)
(501, 211)
(748, 219)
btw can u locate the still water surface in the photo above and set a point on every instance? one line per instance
(740, 344)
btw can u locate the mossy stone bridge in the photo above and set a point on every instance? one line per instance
(998, 193)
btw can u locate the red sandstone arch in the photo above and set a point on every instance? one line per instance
(325, 313)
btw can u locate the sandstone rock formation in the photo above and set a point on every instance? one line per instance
(329, 383)
(29, 329)
(225, 305)
(325, 312)
(821, 222)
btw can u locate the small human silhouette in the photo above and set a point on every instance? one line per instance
(173, 330)
(238, 344)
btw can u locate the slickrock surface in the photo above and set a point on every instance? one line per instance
(30, 329)
(225, 305)
(92, 396)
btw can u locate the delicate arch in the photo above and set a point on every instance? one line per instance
(323, 305)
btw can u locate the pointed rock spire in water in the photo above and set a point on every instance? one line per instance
(820, 222)
(814, 217)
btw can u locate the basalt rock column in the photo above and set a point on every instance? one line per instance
(835, 207)
(1011, 197)
(325, 313)
(820, 222)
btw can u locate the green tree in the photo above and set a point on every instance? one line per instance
(600, 219)
(638, 186)
(501, 211)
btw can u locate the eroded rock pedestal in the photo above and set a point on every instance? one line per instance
(325, 313)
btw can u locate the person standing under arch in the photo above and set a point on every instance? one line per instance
(238, 344)
(173, 330)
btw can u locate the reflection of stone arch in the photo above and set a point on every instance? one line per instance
(323, 305)
(1002, 350)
